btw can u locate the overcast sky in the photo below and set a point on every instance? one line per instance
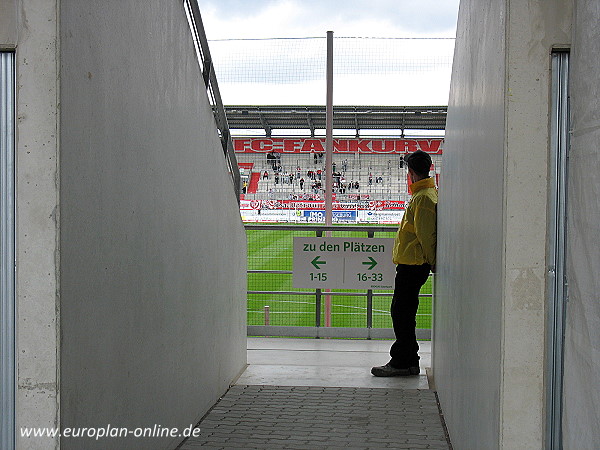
(249, 75)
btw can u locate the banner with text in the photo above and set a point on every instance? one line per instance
(372, 205)
(340, 145)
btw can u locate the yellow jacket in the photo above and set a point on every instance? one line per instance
(416, 238)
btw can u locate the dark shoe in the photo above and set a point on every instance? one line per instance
(389, 371)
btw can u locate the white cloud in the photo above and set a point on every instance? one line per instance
(299, 18)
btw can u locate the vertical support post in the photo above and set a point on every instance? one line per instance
(370, 308)
(267, 316)
(328, 310)
(370, 234)
(433, 297)
(329, 133)
(318, 308)
(329, 154)
(318, 296)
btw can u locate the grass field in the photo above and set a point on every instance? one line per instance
(273, 250)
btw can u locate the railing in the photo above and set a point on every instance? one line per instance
(212, 88)
(365, 195)
(275, 308)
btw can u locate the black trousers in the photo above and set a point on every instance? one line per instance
(408, 283)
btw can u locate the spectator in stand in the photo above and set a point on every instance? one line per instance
(272, 160)
(319, 173)
(302, 183)
(266, 175)
(357, 186)
(276, 177)
(244, 187)
(315, 157)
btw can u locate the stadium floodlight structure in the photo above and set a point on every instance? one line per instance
(357, 118)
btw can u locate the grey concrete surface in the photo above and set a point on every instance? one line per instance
(153, 249)
(30, 28)
(319, 393)
(490, 302)
(582, 335)
(326, 363)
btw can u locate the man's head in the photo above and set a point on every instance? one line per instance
(419, 162)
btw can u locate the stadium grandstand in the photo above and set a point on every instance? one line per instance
(283, 170)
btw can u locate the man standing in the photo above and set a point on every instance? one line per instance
(414, 255)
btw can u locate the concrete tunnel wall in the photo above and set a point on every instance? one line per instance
(581, 398)
(152, 247)
(489, 335)
(468, 303)
(29, 28)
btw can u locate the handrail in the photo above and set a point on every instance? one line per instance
(320, 228)
(318, 330)
(212, 88)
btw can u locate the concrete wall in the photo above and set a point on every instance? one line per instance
(489, 336)
(582, 340)
(150, 291)
(30, 27)
(135, 305)
(469, 287)
(534, 30)
(153, 250)
(8, 24)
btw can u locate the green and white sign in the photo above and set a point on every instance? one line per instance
(343, 263)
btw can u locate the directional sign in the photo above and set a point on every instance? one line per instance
(315, 262)
(371, 263)
(343, 263)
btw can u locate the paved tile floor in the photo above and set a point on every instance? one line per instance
(305, 394)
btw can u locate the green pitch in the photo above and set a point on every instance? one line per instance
(273, 250)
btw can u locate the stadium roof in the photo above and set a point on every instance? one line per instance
(356, 118)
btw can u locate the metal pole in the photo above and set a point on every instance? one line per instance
(329, 155)
(329, 132)
(318, 308)
(369, 308)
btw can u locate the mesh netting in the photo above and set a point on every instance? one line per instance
(366, 70)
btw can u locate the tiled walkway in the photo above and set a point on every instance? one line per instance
(321, 395)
